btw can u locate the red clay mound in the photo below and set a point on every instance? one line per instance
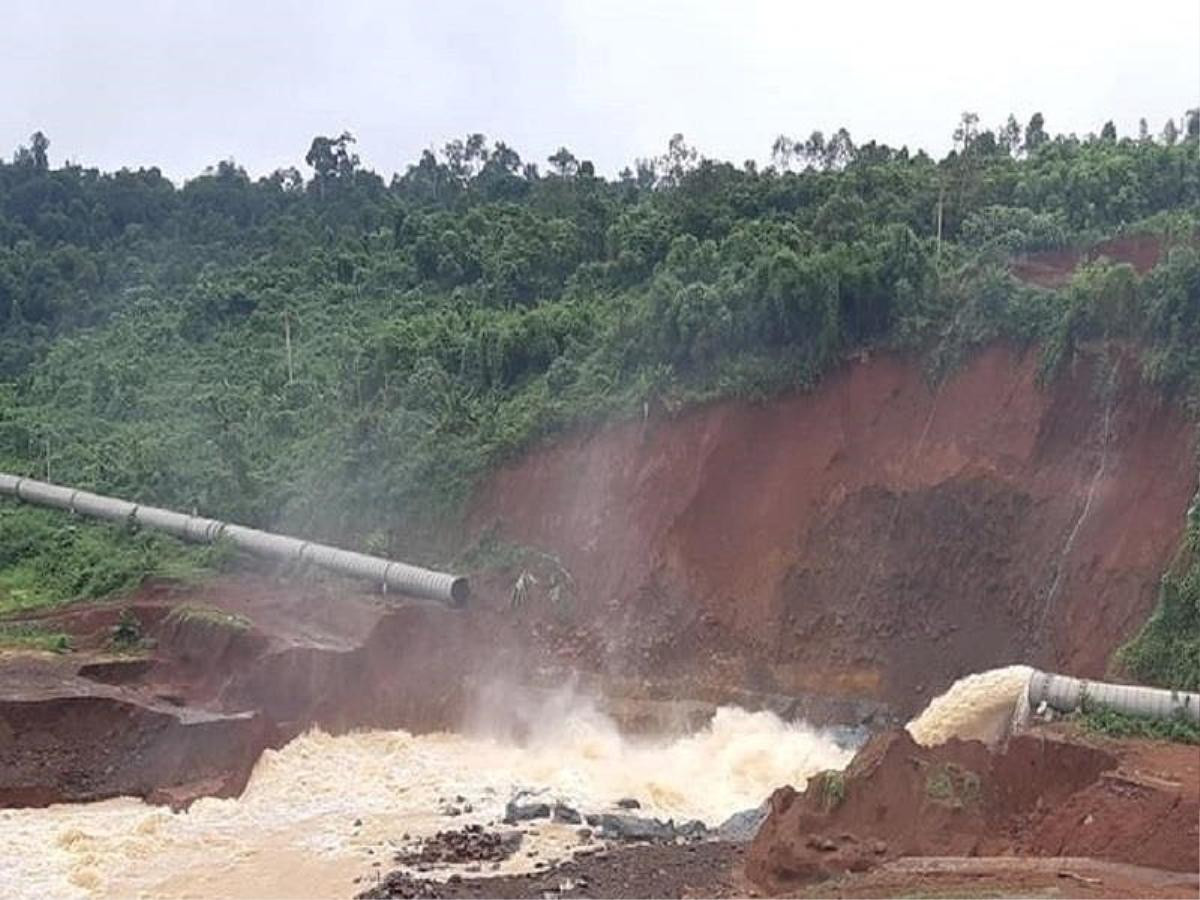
(873, 538)
(1039, 796)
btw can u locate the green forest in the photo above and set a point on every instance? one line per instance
(334, 354)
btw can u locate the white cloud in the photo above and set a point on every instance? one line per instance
(183, 85)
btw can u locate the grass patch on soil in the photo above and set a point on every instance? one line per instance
(49, 558)
(952, 785)
(32, 637)
(832, 785)
(198, 613)
(1115, 724)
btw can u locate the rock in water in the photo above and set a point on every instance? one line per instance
(693, 830)
(635, 828)
(564, 813)
(516, 811)
(742, 826)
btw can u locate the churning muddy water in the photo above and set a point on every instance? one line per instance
(322, 809)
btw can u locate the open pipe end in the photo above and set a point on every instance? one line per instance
(460, 590)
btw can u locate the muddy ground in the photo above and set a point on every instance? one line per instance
(171, 722)
(252, 663)
(713, 870)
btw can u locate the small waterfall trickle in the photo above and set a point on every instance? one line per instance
(1110, 392)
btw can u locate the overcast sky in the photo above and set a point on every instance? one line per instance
(183, 85)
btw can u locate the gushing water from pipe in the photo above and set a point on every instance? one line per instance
(976, 707)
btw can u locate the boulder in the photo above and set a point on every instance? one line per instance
(518, 811)
(742, 826)
(634, 828)
(563, 813)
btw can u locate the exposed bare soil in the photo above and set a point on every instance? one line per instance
(1053, 268)
(1041, 795)
(1008, 876)
(841, 555)
(64, 737)
(870, 541)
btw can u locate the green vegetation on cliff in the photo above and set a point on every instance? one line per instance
(1166, 652)
(337, 354)
(48, 558)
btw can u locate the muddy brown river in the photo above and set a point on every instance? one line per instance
(324, 810)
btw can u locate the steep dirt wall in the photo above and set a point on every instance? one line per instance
(874, 537)
(71, 747)
(230, 667)
(1038, 795)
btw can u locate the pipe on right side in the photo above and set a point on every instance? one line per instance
(1066, 694)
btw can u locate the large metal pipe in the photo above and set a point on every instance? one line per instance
(1067, 694)
(452, 589)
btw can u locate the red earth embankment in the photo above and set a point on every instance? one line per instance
(230, 667)
(1038, 796)
(64, 737)
(873, 538)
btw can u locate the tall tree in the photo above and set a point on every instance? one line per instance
(680, 159)
(331, 159)
(783, 151)
(966, 133)
(564, 162)
(35, 155)
(1170, 133)
(814, 149)
(1035, 132)
(1010, 136)
(839, 152)
(39, 146)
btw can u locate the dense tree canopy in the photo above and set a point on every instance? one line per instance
(337, 353)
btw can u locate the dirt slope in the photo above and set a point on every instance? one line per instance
(873, 538)
(1039, 796)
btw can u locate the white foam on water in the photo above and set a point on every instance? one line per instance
(292, 831)
(977, 707)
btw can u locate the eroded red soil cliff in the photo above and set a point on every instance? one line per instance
(876, 537)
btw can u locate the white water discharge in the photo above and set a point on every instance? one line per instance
(977, 707)
(293, 832)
